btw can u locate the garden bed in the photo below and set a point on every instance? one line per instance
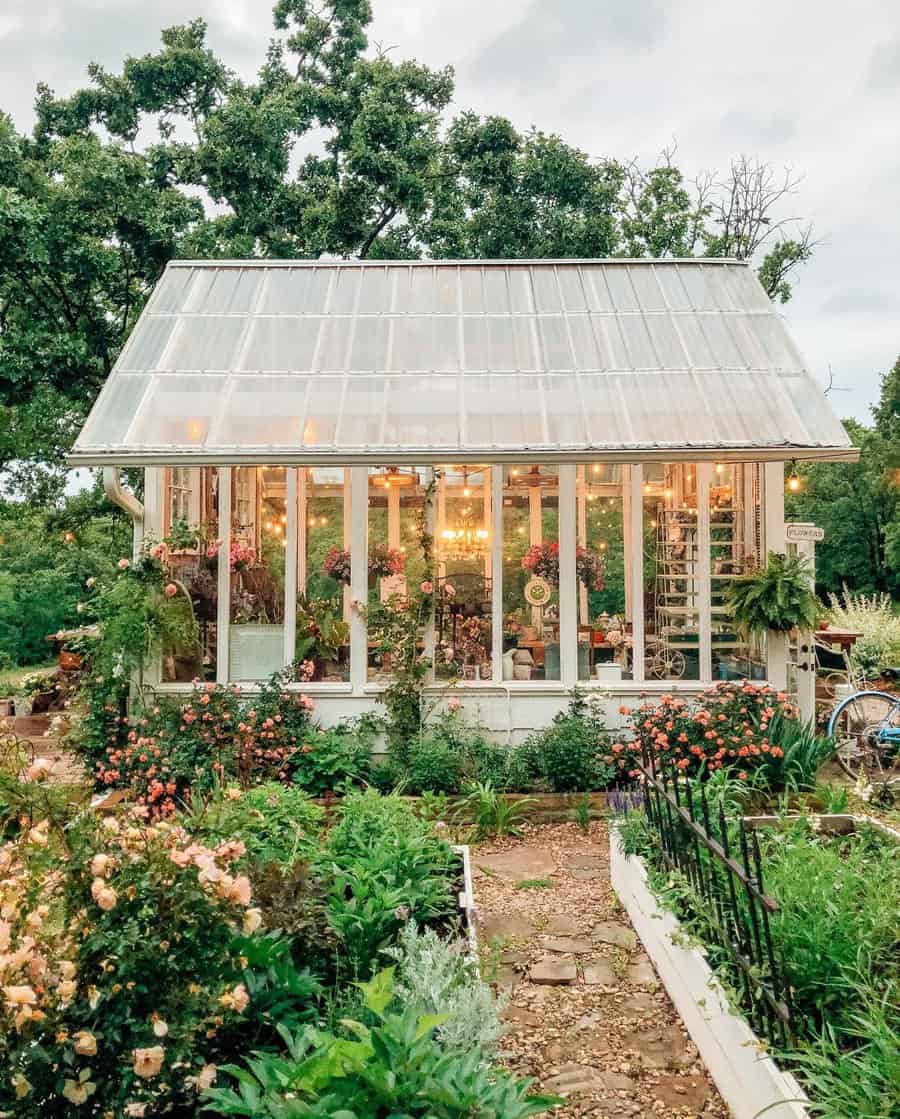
(748, 1079)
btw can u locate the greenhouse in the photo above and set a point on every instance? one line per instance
(571, 460)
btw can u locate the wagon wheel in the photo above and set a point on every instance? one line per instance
(831, 681)
(858, 727)
(668, 664)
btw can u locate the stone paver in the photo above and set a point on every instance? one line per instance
(551, 972)
(587, 1017)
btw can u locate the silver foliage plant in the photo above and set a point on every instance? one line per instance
(438, 977)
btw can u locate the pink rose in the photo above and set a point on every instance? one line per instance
(427, 587)
(449, 590)
(171, 590)
(124, 564)
(453, 703)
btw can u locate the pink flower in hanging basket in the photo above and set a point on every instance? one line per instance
(170, 590)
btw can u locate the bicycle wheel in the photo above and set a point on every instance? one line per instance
(856, 727)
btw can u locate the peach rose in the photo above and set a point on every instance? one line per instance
(148, 1062)
(252, 920)
(85, 1043)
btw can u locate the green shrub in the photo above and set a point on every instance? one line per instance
(569, 754)
(388, 867)
(277, 823)
(396, 1066)
(435, 765)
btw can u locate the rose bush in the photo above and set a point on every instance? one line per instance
(119, 965)
(736, 726)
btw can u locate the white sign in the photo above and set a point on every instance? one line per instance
(803, 532)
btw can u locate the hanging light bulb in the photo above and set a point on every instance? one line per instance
(794, 482)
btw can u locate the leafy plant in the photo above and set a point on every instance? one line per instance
(395, 1067)
(834, 799)
(779, 596)
(569, 754)
(581, 813)
(436, 976)
(491, 812)
(873, 617)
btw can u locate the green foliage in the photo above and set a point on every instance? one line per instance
(395, 1066)
(833, 934)
(569, 754)
(491, 812)
(46, 557)
(874, 619)
(581, 813)
(436, 975)
(858, 504)
(777, 597)
(389, 867)
(277, 823)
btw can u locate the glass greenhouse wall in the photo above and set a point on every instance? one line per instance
(596, 449)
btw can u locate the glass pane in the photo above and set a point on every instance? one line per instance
(170, 293)
(699, 353)
(343, 295)
(646, 288)
(322, 648)
(323, 411)
(666, 342)
(370, 343)
(262, 412)
(496, 292)
(598, 297)
(422, 411)
(620, 288)
(191, 524)
(282, 344)
(257, 560)
(375, 291)
(332, 353)
(669, 279)
(604, 593)
(735, 548)
(463, 640)
(774, 339)
(396, 565)
(557, 352)
(728, 356)
(671, 561)
(546, 290)
(114, 411)
(147, 344)
(295, 291)
(531, 649)
(565, 415)
(178, 411)
(362, 415)
(573, 297)
(472, 291)
(205, 342)
(637, 340)
(587, 353)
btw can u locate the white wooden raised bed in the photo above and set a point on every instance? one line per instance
(749, 1081)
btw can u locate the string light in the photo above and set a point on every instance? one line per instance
(794, 482)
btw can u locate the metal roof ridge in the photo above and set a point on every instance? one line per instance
(454, 262)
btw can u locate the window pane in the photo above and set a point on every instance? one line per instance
(531, 648)
(191, 527)
(258, 535)
(735, 547)
(604, 603)
(671, 560)
(463, 551)
(396, 561)
(322, 647)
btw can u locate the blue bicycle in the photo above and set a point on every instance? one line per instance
(865, 728)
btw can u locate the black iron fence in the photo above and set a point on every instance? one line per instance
(720, 859)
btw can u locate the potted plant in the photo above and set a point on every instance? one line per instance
(322, 634)
(30, 686)
(778, 597)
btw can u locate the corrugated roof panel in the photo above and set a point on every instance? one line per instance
(261, 361)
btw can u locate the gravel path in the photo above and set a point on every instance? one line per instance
(587, 1017)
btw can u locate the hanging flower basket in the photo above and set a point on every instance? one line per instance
(543, 560)
(384, 561)
(337, 565)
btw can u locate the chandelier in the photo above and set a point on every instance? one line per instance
(467, 539)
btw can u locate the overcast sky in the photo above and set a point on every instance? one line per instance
(810, 83)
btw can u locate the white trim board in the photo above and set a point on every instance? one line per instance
(749, 1081)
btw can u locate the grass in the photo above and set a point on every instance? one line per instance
(534, 884)
(10, 677)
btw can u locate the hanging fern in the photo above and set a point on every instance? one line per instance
(778, 596)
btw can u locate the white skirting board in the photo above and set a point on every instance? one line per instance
(749, 1081)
